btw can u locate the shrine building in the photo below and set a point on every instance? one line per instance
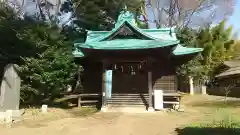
(128, 63)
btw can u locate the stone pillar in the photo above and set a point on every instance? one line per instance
(104, 99)
(44, 109)
(9, 116)
(150, 92)
(191, 88)
(204, 89)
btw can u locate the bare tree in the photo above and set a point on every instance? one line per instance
(17, 5)
(226, 91)
(189, 12)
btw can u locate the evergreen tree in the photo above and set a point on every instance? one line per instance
(218, 47)
(101, 14)
(43, 54)
(237, 50)
(49, 71)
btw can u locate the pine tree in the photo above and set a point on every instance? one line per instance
(101, 14)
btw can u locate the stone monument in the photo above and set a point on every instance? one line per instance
(10, 92)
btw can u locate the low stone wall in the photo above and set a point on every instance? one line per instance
(235, 92)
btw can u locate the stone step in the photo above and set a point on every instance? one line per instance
(126, 109)
(126, 103)
(128, 98)
(121, 94)
(130, 101)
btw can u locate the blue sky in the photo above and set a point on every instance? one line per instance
(235, 19)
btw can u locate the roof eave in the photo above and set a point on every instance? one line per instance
(86, 46)
(198, 50)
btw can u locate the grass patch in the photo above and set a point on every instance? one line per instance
(208, 131)
(218, 104)
(224, 123)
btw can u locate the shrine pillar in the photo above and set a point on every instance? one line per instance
(150, 92)
(150, 88)
(104, 99)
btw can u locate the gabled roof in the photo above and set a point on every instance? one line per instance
(229, 72)
(232, 63)
(143, 39)
(233, 69)
(127, 19)
(154, 34)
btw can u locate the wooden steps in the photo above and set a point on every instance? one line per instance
(128, 100)
(140, 100)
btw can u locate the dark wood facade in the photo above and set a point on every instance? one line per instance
(126, 83)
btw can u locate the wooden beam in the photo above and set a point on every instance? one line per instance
(150, 103)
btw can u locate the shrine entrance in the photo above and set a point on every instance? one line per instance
(123, 83)
(129, 77)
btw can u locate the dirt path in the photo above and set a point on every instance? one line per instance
(68, 122)
(105, 124)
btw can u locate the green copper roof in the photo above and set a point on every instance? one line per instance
(127, 18)
(149, 38)
(78, 53)
(180, 50)
(119, 44)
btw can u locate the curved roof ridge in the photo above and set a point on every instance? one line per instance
(136, 28)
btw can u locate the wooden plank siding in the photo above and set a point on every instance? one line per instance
(166, 83)
(163, 79)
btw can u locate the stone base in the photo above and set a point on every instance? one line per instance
(127, 109)
(151, 109)
(13, 114)
(103, 109)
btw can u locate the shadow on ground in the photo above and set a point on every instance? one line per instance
(218, 104)
(69, 106)
(207, 131)
(82, 112)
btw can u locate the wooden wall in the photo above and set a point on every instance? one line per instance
(92, 78)
(124, 83)
(218, 91)
(166, 83)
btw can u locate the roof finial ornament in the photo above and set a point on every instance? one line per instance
(125, 8)
(125, 15)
